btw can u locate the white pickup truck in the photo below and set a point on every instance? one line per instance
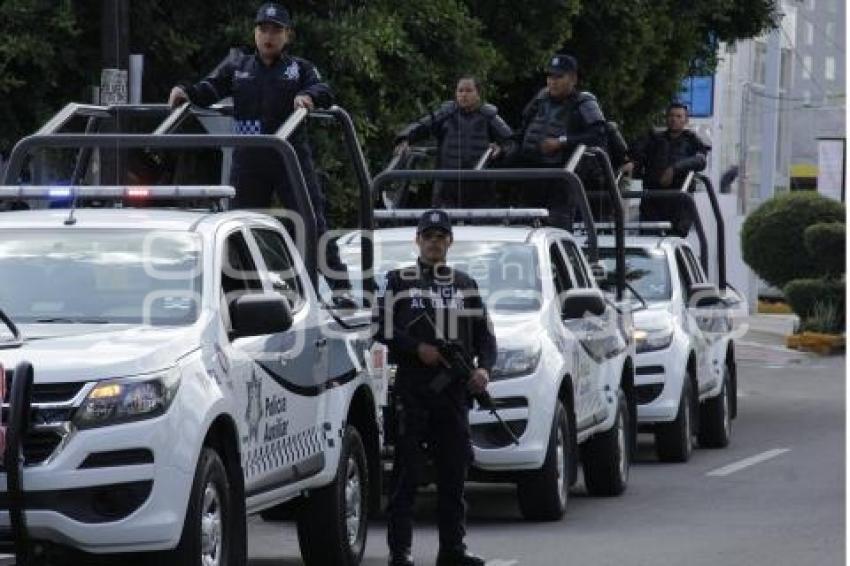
(186, 374)
(686, 374)
(563, 380)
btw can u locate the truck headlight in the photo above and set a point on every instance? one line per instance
(652, 340)
(121, 401)
(516, 362)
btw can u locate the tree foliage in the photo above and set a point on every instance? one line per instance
(772, 237)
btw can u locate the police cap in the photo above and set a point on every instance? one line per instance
(274, 13)
(435, 219)
(561, 64)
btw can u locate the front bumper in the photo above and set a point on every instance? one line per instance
(658, 384)
(526, 404)
(101, 492)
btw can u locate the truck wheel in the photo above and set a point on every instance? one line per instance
(606, 456)
(332, 520)
(674, 441)
(716, 418)
(208, 531)
(543, 494)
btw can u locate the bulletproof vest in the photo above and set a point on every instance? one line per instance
(666, 151)
(464, 137)
(553, 119)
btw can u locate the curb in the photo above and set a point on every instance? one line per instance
(781, 325)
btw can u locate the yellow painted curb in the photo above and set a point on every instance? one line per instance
(817, 342)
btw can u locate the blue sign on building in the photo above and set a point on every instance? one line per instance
(698, 94)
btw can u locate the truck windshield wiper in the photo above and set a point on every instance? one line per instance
(70, 320)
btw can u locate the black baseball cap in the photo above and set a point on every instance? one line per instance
(273, 13)
(561, 64)
(435, 219)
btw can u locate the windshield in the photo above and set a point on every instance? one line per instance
(507, 273)
(126, 276)
(646, 271)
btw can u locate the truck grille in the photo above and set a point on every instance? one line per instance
(47, 392)
(40, 443)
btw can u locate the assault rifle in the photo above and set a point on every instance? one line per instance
(460, 366)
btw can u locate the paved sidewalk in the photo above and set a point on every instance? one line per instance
(769, 328)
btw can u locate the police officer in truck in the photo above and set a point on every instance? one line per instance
(422, 305)
(267, 84)
(555, 122)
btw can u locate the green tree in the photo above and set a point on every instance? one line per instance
(42, 64)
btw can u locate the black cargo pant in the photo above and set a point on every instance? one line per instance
(443, 422)
(258, 174)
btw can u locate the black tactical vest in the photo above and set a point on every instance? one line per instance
(551, 118)
(464, 136)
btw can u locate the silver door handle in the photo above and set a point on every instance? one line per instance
(321, 342)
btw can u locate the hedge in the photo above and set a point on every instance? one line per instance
(772, 236)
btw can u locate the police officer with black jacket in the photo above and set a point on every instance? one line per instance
(464, 129)
(557, 120)
(267, 85)
(663, 159)
(423, 304)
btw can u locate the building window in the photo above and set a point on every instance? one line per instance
(807, 97)
(807, 67)
(829, 68)
(810, 33)
(830, 32)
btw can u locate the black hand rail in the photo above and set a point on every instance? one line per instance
(604, 163)
(20, 405)
(17, 338)
(720, 226)
(570, 180)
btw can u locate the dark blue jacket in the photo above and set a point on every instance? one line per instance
(263, 96)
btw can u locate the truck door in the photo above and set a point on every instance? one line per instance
(712, 322)
(574, 332)
(294, 365)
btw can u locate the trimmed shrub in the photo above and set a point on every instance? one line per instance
(826, 242)
(772, 236)
(810, 298)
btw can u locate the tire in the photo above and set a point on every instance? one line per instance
(208, 537)
(606, 457)
(543, 494)
(674, 442)
(332, 521)
(716, 418)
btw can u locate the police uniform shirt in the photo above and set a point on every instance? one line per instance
(451, 300)
(263, 95)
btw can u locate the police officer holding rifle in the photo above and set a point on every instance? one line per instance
(430, 312)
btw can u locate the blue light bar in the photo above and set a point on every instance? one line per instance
(129, 192)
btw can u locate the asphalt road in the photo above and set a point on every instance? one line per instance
(775, 496)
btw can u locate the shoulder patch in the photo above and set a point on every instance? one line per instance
(489, 110)
(293, 71)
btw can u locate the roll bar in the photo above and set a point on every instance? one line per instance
(162, 137)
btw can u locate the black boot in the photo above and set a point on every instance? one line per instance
(401, 558)
(458, 557)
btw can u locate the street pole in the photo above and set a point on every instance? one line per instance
(114, 46)
(770, 113)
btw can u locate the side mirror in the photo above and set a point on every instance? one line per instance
(260, 314)
(704, 295)
(579, 302)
